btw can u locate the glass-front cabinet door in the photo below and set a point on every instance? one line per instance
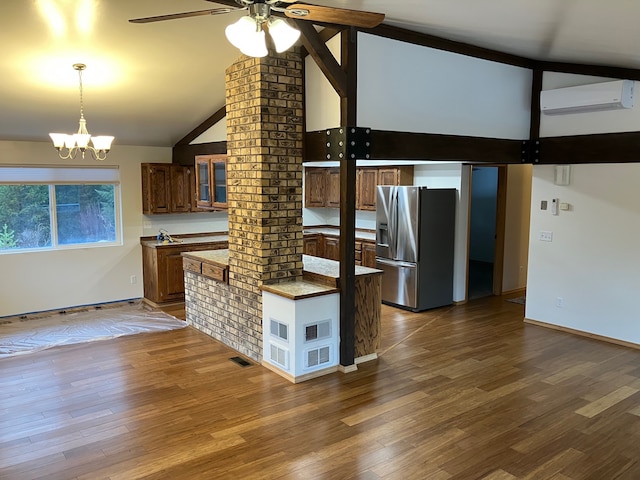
(219, 181)
(211, 181)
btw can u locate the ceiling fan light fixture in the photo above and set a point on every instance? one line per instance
(247, 35)
(238, 32)
(283, 34)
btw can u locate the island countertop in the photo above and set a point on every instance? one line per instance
(315, 266)
(222, 237)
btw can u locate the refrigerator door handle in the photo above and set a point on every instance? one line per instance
(393, 223)
(395, 263)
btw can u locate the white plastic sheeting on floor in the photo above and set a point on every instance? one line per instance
(26, 336)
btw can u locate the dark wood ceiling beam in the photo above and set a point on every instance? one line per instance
(390, 145)
(204, 126)
(462, 48)
(599, 148)
(593, 70)
(452, 46)
(323, 57)
(186, 154)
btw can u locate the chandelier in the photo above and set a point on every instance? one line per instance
(68, 145)
(247, 34)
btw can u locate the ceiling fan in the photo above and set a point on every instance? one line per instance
(248, 35)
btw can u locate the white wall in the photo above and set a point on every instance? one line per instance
(57, 279)
(322, 103)
(411, 88)
(516, 235)
(592, 264)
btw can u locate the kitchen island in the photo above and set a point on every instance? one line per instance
(321, 276)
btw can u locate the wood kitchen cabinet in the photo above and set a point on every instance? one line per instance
(166, 188)
(368, 257)
(313, 245)
(333, 187)
(367, 181)
(315, 187)
(331, 248)
(211, 182)
(163, 273)
(322, 185)
(395, 175)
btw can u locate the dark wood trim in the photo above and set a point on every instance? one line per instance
(388, 145)
(186, 154)
(593, 70)
(599, 148)
(536, 88)
(426, 40)
(348, 117)
(501, 221)
(349, 54)
(203, 127)
(432, 41)
(323, 57)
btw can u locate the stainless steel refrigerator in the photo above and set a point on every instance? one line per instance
(415, 230)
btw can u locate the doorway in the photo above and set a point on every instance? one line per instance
(486, 231)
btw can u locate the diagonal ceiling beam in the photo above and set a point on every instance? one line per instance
(317, 48)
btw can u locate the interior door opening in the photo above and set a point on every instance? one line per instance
(486, 238)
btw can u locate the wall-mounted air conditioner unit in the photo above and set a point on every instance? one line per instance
(587, 98)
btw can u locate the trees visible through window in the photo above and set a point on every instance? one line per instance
(37, 216)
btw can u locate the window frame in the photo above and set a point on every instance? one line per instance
(53, 176)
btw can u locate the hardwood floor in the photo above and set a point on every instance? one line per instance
(464, 392)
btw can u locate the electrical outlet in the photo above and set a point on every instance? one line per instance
(146, 224)
(559, 302)
(546, 236)
(133, 279)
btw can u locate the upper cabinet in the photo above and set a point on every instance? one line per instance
(211, 182)
(322, 185)
(166, 188)
(315, 190)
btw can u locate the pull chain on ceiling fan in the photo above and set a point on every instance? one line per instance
(248, 35)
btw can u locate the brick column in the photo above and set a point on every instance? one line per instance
(264, 100)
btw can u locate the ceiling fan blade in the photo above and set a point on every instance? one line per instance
(341, 16)
(172, 16)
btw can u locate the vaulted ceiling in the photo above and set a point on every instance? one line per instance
(151, 84)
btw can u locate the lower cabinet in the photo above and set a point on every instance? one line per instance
(163, 272)
(326, 246)
(313, 245)
(331, 248)
(369, 254)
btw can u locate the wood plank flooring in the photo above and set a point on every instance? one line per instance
(464, 392)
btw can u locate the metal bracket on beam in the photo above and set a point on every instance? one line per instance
(530, 151)
(348, 142)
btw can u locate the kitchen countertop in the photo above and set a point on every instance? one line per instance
(299, 289)
(219, 258)
(331, 268)
(320, 275)
(223, 237)
(335, 231)
(316, 265)
(186, 241)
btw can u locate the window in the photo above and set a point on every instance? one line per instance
(54, 208)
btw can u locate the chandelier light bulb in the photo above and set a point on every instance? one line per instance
(69, 145)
